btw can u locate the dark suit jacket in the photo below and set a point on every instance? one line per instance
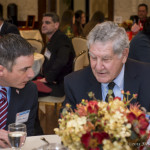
(8, 28)
(60, 63)
(61, 60)
(136, 80)
(140, 47)
(27, 99)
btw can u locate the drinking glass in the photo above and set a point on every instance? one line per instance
(17, 135)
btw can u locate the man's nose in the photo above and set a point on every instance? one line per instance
(30, 73)
(99, 65)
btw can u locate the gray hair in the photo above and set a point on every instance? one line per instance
(13, 46)
(109, 32)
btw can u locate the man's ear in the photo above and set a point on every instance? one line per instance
(125, 54)
(1, 70)
(57, 25)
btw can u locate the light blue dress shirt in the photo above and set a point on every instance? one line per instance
(119, 81)
(8, 93)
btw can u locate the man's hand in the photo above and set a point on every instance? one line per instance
(42, 80)
(4, 141)
(135, 28)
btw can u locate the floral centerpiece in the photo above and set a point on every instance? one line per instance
(97, 125)
(127, 25)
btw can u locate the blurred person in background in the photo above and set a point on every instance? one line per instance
(80, 22)
(140, 44)
(141, 19)
(67, 21)
(98, 17)
(59, 55)
(6, 27)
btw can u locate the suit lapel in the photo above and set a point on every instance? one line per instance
(130, 80)
(13, 106)
(95, 86)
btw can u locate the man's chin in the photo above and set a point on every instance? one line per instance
(103, 80)
(20, 86)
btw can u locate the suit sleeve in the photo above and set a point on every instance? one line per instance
(62, 57)
(70, 97)
(33, 112)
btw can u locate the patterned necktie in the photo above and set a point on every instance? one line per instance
(110, 87)
(3, 108)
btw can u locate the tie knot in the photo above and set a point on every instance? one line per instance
(111, 85)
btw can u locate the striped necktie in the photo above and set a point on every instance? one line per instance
(3, 108)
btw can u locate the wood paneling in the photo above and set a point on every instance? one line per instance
(111, 10)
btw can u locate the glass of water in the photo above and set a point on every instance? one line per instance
(17, 135)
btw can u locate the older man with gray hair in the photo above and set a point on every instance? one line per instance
(109, 68)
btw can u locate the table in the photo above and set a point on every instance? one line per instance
(34, 142)
(31, 34)
(38, 61)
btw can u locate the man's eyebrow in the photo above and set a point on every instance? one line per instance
(26, 67)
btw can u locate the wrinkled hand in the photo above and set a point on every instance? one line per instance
(4, 141)
(42, 80)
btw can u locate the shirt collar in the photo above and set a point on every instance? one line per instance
(1, 26)
(118, 80)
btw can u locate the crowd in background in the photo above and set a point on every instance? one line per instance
(74, 24)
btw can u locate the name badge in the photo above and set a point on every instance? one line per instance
(47, 54)
(22, 117)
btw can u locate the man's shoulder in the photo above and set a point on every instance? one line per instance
(80, 74)
(60, 36)
(137, 66)
(30, 86)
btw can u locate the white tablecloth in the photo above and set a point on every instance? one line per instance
(38, 61)
(34, 142)
(31, 34)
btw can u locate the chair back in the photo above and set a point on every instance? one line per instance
(79, 45)
(79, 61)
(36, 44)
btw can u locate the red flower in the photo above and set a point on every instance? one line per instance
(92, 107)
(85, 139)
(143, 123)
(131, 117)
(100, 136)
(93, 141)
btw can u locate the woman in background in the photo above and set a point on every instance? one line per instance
(80, 22)
(67, 21)
(98, 17)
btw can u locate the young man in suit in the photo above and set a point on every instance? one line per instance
(108, 50)
(59, 55)
(6, 27)
(16, 60)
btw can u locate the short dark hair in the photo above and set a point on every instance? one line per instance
(78, 14)
(53, 15)
(140, 5)
(13, 46)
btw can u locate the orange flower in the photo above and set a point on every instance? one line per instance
(135, 108)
